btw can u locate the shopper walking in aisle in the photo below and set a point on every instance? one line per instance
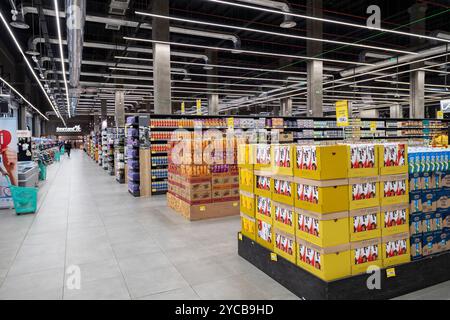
(68, 147)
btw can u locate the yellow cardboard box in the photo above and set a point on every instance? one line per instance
(264, 231)
(247, 203)
(283, 217)
(283, 189)
(365, 224)
(285, 245)
(282, 156)
(394, 189)
(395, 219)
(321, 162)
(244, 156)
(323, 230)
(363, 193)
(248, 226)
(246, 180)
(362, 160)
(261, 156)
(396, 249)
(321, 196)
(263, 183)
(326, 263)
(393, 158)
(365, 254)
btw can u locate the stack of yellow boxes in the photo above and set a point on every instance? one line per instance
(332, 210)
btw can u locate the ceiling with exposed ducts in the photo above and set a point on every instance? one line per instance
(247, 51)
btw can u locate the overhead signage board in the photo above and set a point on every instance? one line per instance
(445, 106)
(74, 129)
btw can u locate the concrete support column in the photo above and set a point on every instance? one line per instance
(104, 110)
(161, 59)
(119, 109)
(417, 95)
(22, 125)
(43, 127)
(36, 126)
(286, 107)
(276, 110)
(396, 111)
(314, 68)
(97, 125)
(371, 113)
(213, 104)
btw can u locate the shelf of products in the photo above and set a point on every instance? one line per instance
(132, 155)
(119, 155)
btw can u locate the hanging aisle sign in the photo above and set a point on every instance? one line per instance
(342, 113)
(199, 107)
(74, 129)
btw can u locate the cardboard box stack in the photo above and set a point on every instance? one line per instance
(199, 187)
(332, 210)
(429, 180)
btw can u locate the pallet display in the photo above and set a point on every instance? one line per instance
(335, 210)
(132, 155)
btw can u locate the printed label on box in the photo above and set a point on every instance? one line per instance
(282, 156)
(264, 206)
(394, 218)
(265, 231)
(282, 187)
(248, 225)
(263, 183)
(395, 248)
(366, 254)
(362, 156)
(310, 256)
(365, 223)
(394, 155)
(394, 188)
(285, 244)
(308, 193)
(283, 215)
(362, 191)
(308, 225)
(263, 154)
(306, 158)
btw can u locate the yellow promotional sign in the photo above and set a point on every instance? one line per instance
(390, 273)
(183, 108)
(373, 126)
(440, 114)
(342, 113)
(199, 107)
(230, 122)
(273, 256)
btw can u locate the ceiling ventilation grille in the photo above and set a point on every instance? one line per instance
(119, 7)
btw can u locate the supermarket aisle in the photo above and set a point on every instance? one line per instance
(126, 248)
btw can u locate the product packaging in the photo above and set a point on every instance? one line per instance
(283, 217)
(285, 245)
(396, 249)
(394, 189)
(395, 219)
(263, 183)
(363, 160)
(283, 189)
(247, 203)
(394, 158)
(365, 254)
(248, 225)
(363, 192)
(365, 224)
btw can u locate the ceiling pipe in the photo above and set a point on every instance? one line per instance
(288, 21)
(75, 20)
(132, 24)
(393, 61)
(18, 17)
(33, 42)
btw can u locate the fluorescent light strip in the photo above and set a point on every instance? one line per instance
(262, 53)
(407, 83)
(190, 74)
(273, 33)
(61, 53)
(220, 66)
(348, 24)
(5, 23)
(23, 98)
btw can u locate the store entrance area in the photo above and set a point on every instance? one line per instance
(125, 247)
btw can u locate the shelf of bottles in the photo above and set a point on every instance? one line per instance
(132, 155)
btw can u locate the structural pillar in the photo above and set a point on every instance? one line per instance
(36, 126)
(396, 111)
(104, 110)
(161, 59)
(370, 113)
(119, 109)
(286, 107)
(417, 95)
(43, 127)
(314, 68)
(213, 99)
(22, 118)
(213, 104)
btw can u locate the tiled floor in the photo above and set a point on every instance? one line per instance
(125, 247)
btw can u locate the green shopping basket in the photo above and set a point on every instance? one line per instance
(42, 171)
(63, 150)
(57, 156)
(25, 198)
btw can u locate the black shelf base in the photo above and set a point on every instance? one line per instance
(409, 277)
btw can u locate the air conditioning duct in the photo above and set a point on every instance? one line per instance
(288, 21)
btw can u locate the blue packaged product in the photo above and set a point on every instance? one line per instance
(416, 247)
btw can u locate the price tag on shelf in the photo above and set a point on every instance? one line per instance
(373, 126)
(390, 273)
(230, 123)
(342, 113)
(240, 236)
(199, 107)
(273, 256)
(440, 114)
